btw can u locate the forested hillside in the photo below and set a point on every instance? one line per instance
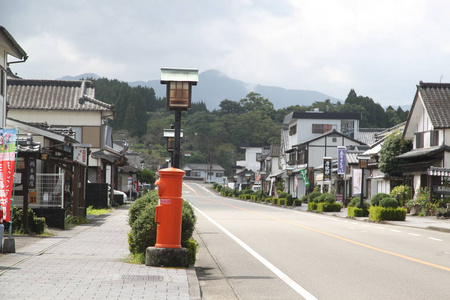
(215, 136)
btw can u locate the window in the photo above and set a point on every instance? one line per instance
(2, 83)
(293, 130)
(334, 140)
(419, 140)
(434, 138)
(321, 128)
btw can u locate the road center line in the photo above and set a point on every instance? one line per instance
(295, 286)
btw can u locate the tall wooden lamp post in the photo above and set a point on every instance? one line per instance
(179, 87)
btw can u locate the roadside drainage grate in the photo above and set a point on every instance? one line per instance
(142, 278)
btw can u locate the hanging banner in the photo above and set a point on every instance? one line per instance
(326, 168)
(8, 139)
(341, 160)
(356, 181)
(304, 177)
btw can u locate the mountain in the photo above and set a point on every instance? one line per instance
(80, 77)
(214, 86)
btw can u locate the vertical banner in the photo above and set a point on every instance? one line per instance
(357, 173)
(304, 177)
(8, 139)
(326, 168)
(341, 160)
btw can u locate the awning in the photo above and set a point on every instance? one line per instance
(278, 175)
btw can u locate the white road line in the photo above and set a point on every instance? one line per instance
(377, 227)
(435, 239)
(414, 234)
(393, 230)
(295, 286)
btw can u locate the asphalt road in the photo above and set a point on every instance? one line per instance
(257, 251)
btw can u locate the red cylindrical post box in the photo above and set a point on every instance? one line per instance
(169, 210)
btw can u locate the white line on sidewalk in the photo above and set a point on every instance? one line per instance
(295, 286)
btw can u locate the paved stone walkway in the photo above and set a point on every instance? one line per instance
(87, 263)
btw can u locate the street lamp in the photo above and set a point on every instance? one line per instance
(169, 135)
(248, 176)
(235, 178)
(179, 86)
(363, 164)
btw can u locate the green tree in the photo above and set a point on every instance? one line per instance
(255, 102)
(393, 146)
(147, 176)
(228, 107)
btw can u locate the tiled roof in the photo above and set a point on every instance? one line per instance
(369, 135)
(54, 95)
(436, 98)
(212, 167)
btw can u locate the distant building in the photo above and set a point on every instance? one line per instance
(205, 172)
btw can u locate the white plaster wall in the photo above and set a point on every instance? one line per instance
(59, 118)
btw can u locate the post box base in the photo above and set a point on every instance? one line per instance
(167, 257)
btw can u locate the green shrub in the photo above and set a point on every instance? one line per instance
(192, 247)
(215, 184)
(312, 206)
(329, 207)
(353, 211)
(313, 196)
(36, 225)
(356, 202)
(379, 213)
(402, 193)
(375, 200)
(282, 201)
(247, 192)
(389, 202)
(143, 231)
(327, 197)
(219, 188)
(298, 202)
(138, 206)
(305, 199)
(283, 195)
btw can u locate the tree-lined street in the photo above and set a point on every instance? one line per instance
(255, 251)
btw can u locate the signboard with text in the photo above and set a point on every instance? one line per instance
(8, 139)
(327, 168)
(341, 163)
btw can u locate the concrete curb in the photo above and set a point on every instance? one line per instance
(194, 286)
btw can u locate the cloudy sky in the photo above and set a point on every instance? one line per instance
(382, 49)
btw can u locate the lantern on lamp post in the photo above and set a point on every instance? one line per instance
(179, 86)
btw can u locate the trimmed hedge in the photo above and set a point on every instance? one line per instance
(329, 207)
(378, 213)
(282, 201)
(312, 206)
(353, 212)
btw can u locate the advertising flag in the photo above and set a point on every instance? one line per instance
(357, 174)
(304, 177)
(8, 139)
(341, 160)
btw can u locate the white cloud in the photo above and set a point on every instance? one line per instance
(382, 49)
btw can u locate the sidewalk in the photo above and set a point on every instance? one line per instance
(86, 262)
(431, 223)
